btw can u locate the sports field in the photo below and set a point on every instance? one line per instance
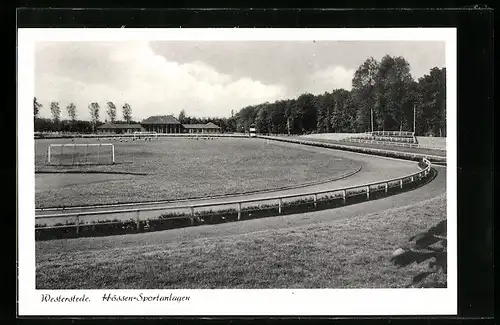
(178, 168)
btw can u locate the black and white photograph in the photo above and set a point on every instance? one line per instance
(237, 171)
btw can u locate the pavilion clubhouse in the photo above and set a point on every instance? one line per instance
(160, 124)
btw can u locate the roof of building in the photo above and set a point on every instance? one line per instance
(201, 126)
(106, 126)
(119, 126)
(161, 119)
(128, 126)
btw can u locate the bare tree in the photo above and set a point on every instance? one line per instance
(94, 114)
(111, 111)
(127, 112)
(71, 109)
(36, 107)
(55, 110)
(182, 116)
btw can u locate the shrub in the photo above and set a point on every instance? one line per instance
(430, 247)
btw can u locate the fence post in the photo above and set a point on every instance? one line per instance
(113, 152)
(137, 219)
(386, 187)
(412, 179)
(48, 153)
(191, 220)
(368, 192)
(401, 183)
(315, 200)
(344, 196)
(77, 224)
(280, 205)
(239, 210)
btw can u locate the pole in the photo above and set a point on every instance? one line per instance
(414, 119)
(372, 117)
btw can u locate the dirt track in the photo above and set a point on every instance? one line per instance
(373, 169)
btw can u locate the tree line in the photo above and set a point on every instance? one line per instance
(384, 96)
(74, 124)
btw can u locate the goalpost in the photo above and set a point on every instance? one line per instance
(81, 154)
(145, 135)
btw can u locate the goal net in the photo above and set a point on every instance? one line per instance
(145, 135)
(81, 154)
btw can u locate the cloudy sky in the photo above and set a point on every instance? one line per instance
(205, 78)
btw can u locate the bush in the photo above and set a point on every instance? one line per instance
(430, 247)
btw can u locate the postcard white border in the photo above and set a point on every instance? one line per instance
(229, 302)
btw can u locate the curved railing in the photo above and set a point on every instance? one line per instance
(360, 149)
(393, 143)
(238, 209)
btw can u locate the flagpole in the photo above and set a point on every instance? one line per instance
(414, 119)
(372, 117)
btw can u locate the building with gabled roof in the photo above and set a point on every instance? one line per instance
(162, 124)
(119, 128)
(202, 128)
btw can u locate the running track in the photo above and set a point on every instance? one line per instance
(373, 168)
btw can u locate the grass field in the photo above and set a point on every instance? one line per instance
(341, 253)
(172, 168)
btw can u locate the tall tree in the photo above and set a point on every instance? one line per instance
(71, 109)
(431, 111)
(111, 111)
(182, 116)
(323, 114)
(278, 117)
(94, 114)
(342, 117)
(306, 112)
(127, 112)
(363, 89)
(394, 96)
(36, 107)
(262, 121)
(55, 110)
(293, 120)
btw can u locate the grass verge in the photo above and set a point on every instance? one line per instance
(345, 253)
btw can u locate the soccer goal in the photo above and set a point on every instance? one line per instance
(145, 135)
(81, 154)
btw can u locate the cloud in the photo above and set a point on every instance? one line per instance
(206, 78)
(332, 77)
(134, 73)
